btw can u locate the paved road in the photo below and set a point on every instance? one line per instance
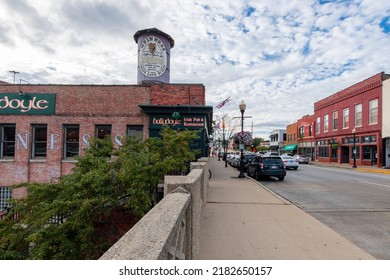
(242, 220)
(354, 204)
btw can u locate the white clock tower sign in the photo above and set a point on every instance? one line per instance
(153, 55)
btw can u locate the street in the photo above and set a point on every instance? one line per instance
(354, 204)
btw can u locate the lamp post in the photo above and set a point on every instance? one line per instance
(224, 142)
(354, 147)
(242, 109)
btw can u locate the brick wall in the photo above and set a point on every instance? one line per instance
(292, 134)
(87, 106)
(175, 94)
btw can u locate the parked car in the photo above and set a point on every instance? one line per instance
(302, 158)
(290, 162)
(246, 160)
(232, 160)
(236, 161)
(265, 166)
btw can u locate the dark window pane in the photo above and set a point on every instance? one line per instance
(40, 134)
(135, 131)
(102, 131)
(7, 140)
(9, 133)
(39, 142)
(72, 149)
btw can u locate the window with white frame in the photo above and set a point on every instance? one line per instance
(373, 112)
(301, 132)
(358, 115)
(71, 141)
(346, 118)
(335, 120)
(326, 123)
(318, 125)
(39, 141)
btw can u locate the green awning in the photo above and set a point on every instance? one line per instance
(290, 147)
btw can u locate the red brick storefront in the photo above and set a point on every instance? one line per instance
(354, 111)
(305, 127)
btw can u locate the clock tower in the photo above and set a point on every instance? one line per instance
(154, 49)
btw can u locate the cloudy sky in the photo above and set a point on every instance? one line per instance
(279, 56)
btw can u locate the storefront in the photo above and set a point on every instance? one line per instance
(182, 117)
(341, 150)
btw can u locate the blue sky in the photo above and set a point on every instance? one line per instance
(279, 56)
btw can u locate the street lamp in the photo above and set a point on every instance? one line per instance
(354, 147)
(242, 109)
(224, 142)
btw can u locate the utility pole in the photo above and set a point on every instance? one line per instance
(14, 72)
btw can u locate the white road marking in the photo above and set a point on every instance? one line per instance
(375, 184)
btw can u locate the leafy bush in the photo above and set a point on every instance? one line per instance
(61, 220)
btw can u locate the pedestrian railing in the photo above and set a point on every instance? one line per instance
(171, 229)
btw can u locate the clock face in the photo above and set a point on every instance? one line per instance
(153, 57)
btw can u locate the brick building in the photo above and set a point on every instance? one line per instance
(305, 132)
(291, 140)
(355, 117)
(43, 127)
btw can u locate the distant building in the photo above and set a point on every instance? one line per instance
(291, 142)
(359, 117)
(265, 144)
(277, 140)
(306, 140)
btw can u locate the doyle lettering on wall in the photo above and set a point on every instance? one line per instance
(27, 103)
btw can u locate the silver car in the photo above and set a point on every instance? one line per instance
(290, 162)
(302, 158)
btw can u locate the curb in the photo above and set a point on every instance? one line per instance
(360, 169)
(381, 171)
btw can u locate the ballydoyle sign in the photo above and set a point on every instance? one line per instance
(188, 121)
(27, 103)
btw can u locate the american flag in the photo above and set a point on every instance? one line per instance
(220, 105)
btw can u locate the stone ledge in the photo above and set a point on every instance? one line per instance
(151, 237)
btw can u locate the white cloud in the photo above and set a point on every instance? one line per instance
(279, 56)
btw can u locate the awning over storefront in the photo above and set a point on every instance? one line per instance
(290, 147)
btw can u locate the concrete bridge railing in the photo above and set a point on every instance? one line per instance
(171, 230)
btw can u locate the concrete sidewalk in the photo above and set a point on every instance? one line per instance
(243, 220)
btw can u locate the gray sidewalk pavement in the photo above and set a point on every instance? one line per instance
(242, 220)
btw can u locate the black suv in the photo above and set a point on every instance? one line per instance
(262, 166)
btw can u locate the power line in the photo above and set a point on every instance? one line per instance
(14, 72)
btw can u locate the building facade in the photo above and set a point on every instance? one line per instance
(305, 132)
(44, 127)
(351, 126)
(291, 140)
(278, 139)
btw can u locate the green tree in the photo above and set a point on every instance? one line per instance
(257, 141)
(61, 220)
